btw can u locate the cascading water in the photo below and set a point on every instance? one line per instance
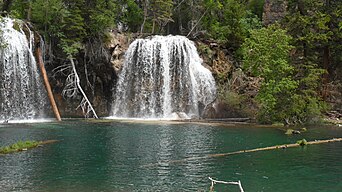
(163, 77)
(22, 93)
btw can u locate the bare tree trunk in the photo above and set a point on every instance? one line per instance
(145, 17)
(29, 10)
(197, 22)
(180, 27)
(47, 84)
(153, 26)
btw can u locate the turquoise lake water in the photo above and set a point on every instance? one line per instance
(112, 156)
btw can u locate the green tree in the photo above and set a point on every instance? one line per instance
(158, 12)
(19, 8)
(74, 30)
(223, 21)
(266, 55)
(256, 7)
(99, 16)
(317, 37)
(48, 15)
(161, 11)
(229, 21)
(131, 16)
(287, 94)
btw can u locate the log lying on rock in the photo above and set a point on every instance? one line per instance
(284, 146)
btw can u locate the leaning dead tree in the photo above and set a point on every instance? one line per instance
(213, 182)
(73, 87)
(47, 84)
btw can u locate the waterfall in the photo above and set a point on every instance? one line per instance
(22, 93)
(163, 77)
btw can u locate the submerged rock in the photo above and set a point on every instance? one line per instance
(291, 131)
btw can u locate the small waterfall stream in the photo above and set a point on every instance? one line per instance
(163, 77)
(22, 93)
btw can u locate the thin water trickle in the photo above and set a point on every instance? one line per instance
(22, 94)
(163, 77)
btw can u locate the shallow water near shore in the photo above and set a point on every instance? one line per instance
(111, 156)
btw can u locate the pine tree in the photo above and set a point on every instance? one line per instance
(161, 11)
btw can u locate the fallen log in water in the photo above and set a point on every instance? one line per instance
(284, 146)
(48, 142)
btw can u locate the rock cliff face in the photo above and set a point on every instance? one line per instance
(274, 10)
(103, 67)
(97, 66)
(118, 45)
(236, 90)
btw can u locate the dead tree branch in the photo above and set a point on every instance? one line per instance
(73, 87)
(213, 182)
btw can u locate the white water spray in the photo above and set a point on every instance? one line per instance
(163, 77)
(22, 94)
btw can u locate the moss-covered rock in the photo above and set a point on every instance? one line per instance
(289, 132)
(302, 142)
(19, 146)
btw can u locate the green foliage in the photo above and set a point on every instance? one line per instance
(287, 94)
(68, 23)
(100, 16)
(161, 11)
(249, 22)
(314, 24)
(19, 9)
(309, 77)
(18, 146)
(223, 21)
(205, 49)
(257, 7)
(229, 21)
(237, 103)
(266, 54)
(17, 24)
(132, 16)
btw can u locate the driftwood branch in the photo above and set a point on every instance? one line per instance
(284, 146)
(213, 182)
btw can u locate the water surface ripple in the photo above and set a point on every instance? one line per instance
(111, 156)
